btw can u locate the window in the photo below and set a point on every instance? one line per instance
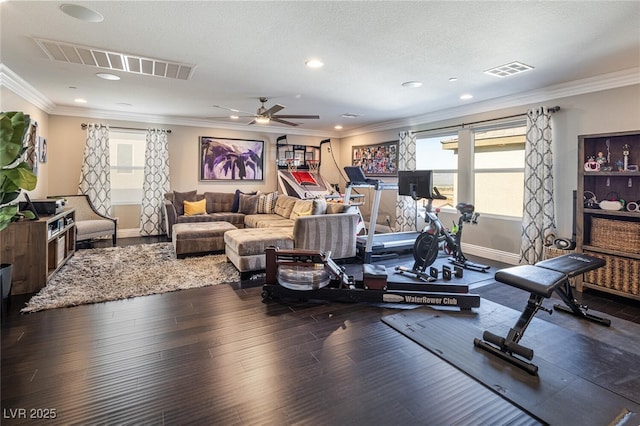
(126, 152)
(498, 171)
(440, 154)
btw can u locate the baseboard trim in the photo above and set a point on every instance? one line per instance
(129, 233)
(489, 253)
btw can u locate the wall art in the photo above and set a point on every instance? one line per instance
(377, 160)
(231, 159)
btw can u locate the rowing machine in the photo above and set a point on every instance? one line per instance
(313, 275)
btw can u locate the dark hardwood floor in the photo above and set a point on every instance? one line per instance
(219, 355)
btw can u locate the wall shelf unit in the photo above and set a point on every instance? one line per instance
(613, 235)
(38, 249)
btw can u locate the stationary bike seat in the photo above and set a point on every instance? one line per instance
(465, 208)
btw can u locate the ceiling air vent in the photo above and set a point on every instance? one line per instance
(508, 69)
(124, 62)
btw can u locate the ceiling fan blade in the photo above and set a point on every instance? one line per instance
(288, 123)
(314, 117)
(251, 122)
(274, 109)
(234, 110)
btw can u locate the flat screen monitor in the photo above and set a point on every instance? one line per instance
(416, 183)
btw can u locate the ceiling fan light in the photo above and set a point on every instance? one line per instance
(262, 120)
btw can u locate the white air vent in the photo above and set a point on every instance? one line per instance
(125, 62)
(508, 69)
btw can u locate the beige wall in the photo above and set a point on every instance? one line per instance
(599, 112)
(68, 140)
(9, 101)
(604, 111)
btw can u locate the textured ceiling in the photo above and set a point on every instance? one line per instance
(243, 50)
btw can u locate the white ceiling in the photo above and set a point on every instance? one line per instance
(243, 50)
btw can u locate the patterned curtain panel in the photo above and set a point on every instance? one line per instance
(95, 175)
(538, 220)
(156, 182)
(406, 206)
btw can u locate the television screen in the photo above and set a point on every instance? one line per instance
(416, 183)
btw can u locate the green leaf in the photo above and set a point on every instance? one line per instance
(13, 126)
(6, 215)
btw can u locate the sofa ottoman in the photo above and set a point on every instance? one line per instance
(199, 237)
(245, 248)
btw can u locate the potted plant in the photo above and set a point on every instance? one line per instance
(15, 175)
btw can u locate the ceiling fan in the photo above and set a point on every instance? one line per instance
(264, 115)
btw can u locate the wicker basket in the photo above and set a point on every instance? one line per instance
(620, 273)
(615, 234)
(550, 252)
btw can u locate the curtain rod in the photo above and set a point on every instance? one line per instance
(84, 127)
(551, 110)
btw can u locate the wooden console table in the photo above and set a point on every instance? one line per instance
(37, 249)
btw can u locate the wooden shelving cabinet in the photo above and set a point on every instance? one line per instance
(37, 249)
(611, 235)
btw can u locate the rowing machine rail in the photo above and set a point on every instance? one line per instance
(343, 287)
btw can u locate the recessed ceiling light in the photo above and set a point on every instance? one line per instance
(82, 13)
(107, 76)
(337, 127)
(466, 96)
(452, 79)
(350, 115)
(314, 63)
(80, 100)
(123, 104)
(412, 84)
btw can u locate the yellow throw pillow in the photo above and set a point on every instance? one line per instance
(301, 208)
(192, 208)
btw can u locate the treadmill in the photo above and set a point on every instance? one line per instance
(374, 245)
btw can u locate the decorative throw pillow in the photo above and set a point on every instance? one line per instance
(235, 207)
(192, 208)
(301, 208)
(319, 206)
(180, 197)
(248, 204)
(236, 201)
(337, 208)
(267, 202)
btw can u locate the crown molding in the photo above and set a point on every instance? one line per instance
(180, 121)
(578, 87)
(614, 80)
(20, 87)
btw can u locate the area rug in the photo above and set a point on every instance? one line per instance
(105, 274)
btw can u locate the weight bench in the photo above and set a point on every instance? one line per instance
(541, 281)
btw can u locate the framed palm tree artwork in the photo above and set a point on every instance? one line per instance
(231, 159)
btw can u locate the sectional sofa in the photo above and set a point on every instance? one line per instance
(267, 219)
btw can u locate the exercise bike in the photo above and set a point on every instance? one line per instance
(434, 233)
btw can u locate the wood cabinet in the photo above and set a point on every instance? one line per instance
(37, 249)
(613, 235)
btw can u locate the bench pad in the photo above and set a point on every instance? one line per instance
(572, 264)
(531, 278)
